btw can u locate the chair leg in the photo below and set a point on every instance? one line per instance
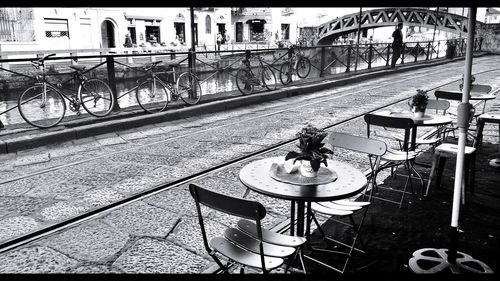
(442, 162)
(433, 168)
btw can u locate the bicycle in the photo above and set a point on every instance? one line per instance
(43, 105)
(154, 94)
(246, 79)
(297, 63)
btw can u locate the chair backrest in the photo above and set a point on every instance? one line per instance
(368, 146)
(480, 88)
(438, 105)
(357, 143)
(448, 95)
(231, 205)
(406, 124)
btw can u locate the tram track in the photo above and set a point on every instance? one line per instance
(22, 240)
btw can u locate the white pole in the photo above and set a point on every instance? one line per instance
(463, 114)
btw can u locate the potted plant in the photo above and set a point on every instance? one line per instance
(312, 151)
(419, 103)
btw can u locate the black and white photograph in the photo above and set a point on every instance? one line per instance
(204, 141)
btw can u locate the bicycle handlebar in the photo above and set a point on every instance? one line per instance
(151, 65)
(39, 62)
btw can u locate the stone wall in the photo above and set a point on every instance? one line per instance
(491, 35)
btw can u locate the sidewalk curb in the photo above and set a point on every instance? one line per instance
(76, 132)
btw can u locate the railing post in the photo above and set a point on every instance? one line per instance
(110, 64)
(437, 52)
(370, 56)
(418, 52)
(323, 57)
(247, 54)
(349, 52)
(428, 50)
(388, 54)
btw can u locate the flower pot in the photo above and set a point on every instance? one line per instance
(418, 112)
(306, 170)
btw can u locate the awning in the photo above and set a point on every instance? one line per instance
(143, 17)
(256, 21)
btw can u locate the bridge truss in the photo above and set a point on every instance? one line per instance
(390, 17)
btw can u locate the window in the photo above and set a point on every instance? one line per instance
(56, 28)
(208, 25)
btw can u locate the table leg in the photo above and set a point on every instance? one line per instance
(300, 218)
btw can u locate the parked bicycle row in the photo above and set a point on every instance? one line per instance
(43, 105)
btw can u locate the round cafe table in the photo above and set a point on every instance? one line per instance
(257, 177)
(428, 120)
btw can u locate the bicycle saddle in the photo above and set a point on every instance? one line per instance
(173, 64)
(78, 67)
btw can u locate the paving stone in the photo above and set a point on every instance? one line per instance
(188, 234)
(21, 205)
(60, 211)
(97, 198)
(19, 187)
(133, 185)
(176, 200)
(98, 269)
(32, 159)
(152, 256)
(16, 226)
(142, 219)
(234, 189)
(111, 141)
(132, 135)
(93, 241)
(149, 159)
(35, 260)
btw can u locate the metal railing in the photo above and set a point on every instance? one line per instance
(325, 61)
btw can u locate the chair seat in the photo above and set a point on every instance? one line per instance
(270, 236)
(335, 205)
(250, 243)
(329, 211)
(352, 203)
(393, 155)
(453, 148)
(242, 256)
(418, 140)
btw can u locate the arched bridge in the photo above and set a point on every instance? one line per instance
(390, 17)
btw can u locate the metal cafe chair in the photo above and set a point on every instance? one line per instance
(394, 157)
(438, 107)
(337, 211)
(247, 245)
(457, 97)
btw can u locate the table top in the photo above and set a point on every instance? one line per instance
(256, 176)
(475, 96)
(429, 119)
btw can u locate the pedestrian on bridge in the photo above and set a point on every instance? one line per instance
(397, 44)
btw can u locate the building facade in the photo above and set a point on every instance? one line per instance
(23, 29)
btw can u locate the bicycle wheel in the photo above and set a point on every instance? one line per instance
(286, 73)
(268, 78)
(152, 96)
(188, 88)
(96, 97)
(303, 67)
(244, 81)
(39, 109)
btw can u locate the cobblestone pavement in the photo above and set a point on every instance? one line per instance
(160, 233)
